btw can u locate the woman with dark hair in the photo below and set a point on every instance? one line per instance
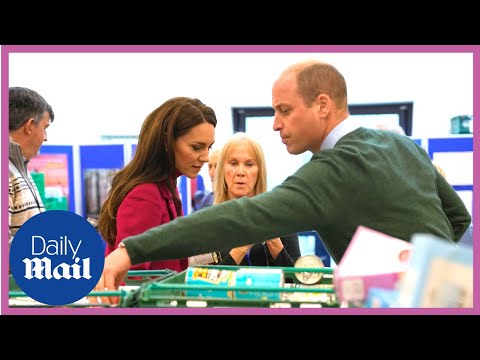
(174, 140)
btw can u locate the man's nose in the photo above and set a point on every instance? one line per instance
(277, 123)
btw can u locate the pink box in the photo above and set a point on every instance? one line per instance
(372, 259)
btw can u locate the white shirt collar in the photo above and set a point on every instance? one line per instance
(346, 126)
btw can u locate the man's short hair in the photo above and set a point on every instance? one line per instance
(25, 104)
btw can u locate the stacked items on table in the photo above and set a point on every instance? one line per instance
(378, 270)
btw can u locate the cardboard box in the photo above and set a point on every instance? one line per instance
(440, 274)
(372, 259)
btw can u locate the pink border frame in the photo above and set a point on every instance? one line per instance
(8, 49)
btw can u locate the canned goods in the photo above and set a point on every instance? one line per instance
(316, 296)
(309, 261)
(210, 276)
(256, 279)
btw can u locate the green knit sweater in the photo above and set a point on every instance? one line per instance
(377, 179)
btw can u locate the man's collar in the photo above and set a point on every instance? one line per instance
(346, 126)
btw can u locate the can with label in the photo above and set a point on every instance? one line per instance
(309, 261)
(210, 276)
(316, 296)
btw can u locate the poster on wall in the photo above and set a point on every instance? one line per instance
(97, 184)
(50, 171)
(454, 154)
(98, 164)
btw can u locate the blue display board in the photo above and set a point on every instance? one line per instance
(183, 191)
(418, 141)
(452, 145)
(457, 156)
(97, 164)
(311, 244)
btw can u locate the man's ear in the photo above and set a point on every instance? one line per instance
(27, 126)
(324, 103)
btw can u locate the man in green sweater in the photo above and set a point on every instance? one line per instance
(356, 176)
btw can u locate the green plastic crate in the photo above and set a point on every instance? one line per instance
(172, 292)
(167, 289)
(135, 278)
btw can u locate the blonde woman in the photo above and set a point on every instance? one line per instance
(241, 171)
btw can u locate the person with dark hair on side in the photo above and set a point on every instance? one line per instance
(29, 117)
(174, 140)
(355, 177)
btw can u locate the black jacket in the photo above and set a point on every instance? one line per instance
(260, 256)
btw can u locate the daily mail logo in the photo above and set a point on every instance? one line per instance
(57, 257)
(42, 267)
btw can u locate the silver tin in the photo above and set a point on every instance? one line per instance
(309, 261)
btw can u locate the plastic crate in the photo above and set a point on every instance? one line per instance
(135, 278)
(167, 288)
(174, 292)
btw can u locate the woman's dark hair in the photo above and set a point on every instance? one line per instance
(154, 159)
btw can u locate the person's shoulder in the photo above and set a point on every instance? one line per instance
(360, 139)
(145, 189)
(146, 194)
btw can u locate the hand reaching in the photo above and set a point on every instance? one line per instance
(115, 270)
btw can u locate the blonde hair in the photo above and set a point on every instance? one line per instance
(221, 190)
(440, 170)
